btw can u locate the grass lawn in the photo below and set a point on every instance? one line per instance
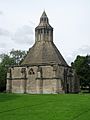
(44, 107)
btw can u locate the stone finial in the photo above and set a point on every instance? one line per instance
(44, 14)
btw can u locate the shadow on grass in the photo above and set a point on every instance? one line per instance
(7, 97)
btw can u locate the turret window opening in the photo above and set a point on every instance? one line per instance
(44, 19)
(41, 30)
(44, 30)
(47, 31)
(38, 31)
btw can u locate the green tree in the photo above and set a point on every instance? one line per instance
(82, 66)
(5, 60)
(17, 55)
(13, 58)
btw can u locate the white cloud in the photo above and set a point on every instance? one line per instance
(83, 51)
(23, 35)
(21, 39)
(4, 32)
(70, 20)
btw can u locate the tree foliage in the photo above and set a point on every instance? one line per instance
(82, 66)
(17, 55)
(13, 58)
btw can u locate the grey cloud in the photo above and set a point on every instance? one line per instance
(5, 40)
(4, 32)
(6, 44)
(23, 35)
(21, 39)
(1, 12)
(83, 51)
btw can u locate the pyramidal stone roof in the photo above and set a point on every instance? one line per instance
(43, 51)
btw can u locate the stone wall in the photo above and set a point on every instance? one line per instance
(40, 79)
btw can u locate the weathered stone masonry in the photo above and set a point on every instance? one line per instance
(44, 69)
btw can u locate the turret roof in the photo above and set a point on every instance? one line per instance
(44, 52)
(44, 14)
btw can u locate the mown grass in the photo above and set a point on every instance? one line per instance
(44, 107)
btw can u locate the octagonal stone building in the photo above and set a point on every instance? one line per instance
(43, 70)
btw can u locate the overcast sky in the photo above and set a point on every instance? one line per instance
(69, 18)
